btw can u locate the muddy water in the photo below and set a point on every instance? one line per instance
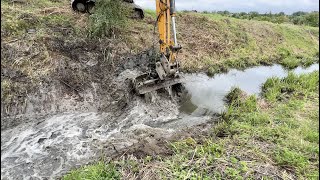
(206, 94)
(52, 146)
(45, 149)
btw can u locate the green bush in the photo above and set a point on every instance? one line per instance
(110, 18)
(297, 18)
(312, 19)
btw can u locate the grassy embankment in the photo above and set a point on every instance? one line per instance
(214, 43)
(276, 136)
(241, 43)
(211, 42)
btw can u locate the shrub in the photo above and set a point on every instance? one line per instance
(110, 18)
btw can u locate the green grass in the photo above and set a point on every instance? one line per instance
(99, 171)
(276, 89)
(277, 136)
(42, 16)
(31, 57)
(150, 13)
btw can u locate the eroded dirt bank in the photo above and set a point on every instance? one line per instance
(76, 76)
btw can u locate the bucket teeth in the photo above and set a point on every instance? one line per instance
(150, 85)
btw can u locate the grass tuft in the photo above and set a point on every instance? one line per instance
(275, 89)
(97, 171)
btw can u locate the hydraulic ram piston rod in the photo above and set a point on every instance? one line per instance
(173, 14)
(174, 30)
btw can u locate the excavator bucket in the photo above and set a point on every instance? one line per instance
(145, 84)
(165, 74)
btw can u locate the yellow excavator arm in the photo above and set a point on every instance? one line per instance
(166, 14)
(164, 20)
(167, 67)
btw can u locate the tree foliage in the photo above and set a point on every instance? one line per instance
(297, 18)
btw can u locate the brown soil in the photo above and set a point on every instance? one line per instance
(56, 69)
(154, 144)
